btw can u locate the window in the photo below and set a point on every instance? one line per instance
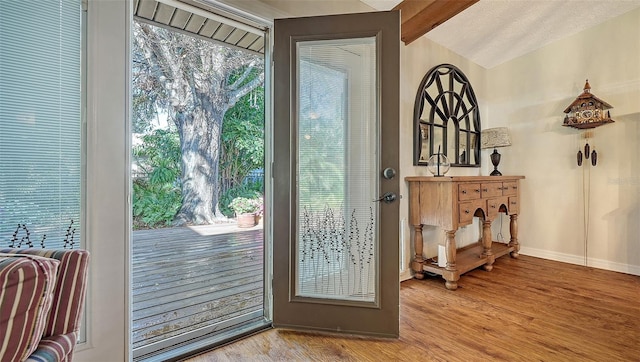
(41, 101)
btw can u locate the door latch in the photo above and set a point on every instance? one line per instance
(388, 197)
(389, 173)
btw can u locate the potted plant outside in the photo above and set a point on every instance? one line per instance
(246, 210)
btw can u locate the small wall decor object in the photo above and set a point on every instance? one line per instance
(438, 164)
(587, 111)
(494, 138)
(579, 158)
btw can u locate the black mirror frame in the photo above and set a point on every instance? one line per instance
(447, 114)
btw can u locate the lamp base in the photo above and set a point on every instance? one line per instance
(495, 160)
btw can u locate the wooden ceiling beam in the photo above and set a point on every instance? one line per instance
(421, 16)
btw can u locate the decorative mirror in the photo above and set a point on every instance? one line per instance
(446, 118)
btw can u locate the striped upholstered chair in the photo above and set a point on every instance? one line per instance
(41, 303)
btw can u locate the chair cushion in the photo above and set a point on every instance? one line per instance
(70, 289)
(27, 283)
(55, 349)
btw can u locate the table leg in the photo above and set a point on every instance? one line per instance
(418, 259)
(486, 244)
(451, 274)
(513, 229)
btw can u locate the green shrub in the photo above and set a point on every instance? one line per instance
(243, 205)
(157, 195)
(154, 205)
(252, 190)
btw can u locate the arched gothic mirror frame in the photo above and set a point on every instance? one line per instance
(446, 117)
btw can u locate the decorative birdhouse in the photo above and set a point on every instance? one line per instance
(587, 111)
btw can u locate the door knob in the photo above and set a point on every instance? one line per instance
(389, 173)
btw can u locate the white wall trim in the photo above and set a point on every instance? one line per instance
(107, 210)
(405, 275)
(579, 260)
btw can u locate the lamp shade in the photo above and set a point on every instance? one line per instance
(495, 137)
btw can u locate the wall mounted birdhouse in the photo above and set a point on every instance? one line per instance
(587, 111)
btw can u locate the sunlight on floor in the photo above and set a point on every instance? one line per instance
(216, 229)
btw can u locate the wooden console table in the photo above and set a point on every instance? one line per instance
(451, 202)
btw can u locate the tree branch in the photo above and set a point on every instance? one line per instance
(248, 70)
(234, 96)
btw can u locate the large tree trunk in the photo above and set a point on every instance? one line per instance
(200, 131)
(196, 79)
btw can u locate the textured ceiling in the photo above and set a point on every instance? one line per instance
(492, 32)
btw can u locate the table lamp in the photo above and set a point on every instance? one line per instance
(494, 138)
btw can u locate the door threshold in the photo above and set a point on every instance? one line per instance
(206, 343)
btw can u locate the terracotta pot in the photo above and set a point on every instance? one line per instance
(246, 220)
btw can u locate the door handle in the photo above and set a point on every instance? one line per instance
(388, 197)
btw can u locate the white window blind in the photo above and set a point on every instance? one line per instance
(337, 229)
(40, 119)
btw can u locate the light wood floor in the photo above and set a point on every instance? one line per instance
(525, 309)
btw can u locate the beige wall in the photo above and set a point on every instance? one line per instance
(528, 95)
(316, 7)
(273, 9)
(417, 59)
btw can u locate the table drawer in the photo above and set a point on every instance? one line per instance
(467, 210)
(510, 188)
(493, 207)
(492, 189)
(514, 205)
(468, 192)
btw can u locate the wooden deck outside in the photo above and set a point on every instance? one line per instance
(188, 277)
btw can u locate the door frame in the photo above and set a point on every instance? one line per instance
(206, 337)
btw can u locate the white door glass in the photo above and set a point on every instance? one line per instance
(336, 170)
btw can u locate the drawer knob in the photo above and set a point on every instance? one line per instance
(466, 211)
(493, 206)
(513, 202)
(464, 192)
(477, 190)
(485, 190)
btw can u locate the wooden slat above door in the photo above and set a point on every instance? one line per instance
(194, 20)
(421, 16)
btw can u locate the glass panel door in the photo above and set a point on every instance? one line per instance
(336, 229)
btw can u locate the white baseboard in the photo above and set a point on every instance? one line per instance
(405, 275)
(579, 260)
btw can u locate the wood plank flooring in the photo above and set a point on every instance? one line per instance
(525, 309)
(189, 277)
